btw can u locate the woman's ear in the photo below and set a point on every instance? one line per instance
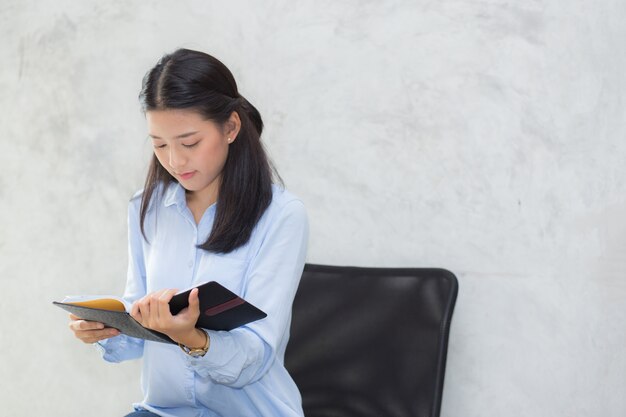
(233, 125)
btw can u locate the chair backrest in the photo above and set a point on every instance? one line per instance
(371, 341)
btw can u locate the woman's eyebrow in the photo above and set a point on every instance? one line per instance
(184, 135)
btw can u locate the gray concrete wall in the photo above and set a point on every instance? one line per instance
(486, 137)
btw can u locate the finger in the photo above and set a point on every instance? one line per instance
(167, 294)
(93, 336)
(194, 301)
(134, 311)
(85, 325)
(144, 310)
(73, 317)
(86, 334)
(97, 334)
(155, 304)
(163, 306)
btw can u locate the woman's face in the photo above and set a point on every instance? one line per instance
(191, 149)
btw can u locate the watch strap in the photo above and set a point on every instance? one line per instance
(196, 352)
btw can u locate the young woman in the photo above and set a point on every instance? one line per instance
(209, 211)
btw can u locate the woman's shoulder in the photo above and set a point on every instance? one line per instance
(136, 197)
(282, 200)
(285, 205)
(286, 216)
(135, 202)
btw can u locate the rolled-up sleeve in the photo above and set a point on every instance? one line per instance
(243, 355)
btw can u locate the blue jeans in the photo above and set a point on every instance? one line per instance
(142, 413)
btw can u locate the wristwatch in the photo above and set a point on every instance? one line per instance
(196, 352)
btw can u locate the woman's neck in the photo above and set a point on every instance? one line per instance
(199, 201)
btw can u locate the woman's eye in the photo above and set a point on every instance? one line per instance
(158, 146)
(191, 145)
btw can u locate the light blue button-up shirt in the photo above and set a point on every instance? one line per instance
(242, 374)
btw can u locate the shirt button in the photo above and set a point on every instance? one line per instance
(190, 264)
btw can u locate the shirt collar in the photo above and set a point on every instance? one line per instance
(175, 194)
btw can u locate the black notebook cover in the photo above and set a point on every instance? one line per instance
(220, 309)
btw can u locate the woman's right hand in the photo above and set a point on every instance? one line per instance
(90, 331)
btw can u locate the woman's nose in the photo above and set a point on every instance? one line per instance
(177, 160)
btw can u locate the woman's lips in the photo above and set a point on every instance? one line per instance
(187, 175)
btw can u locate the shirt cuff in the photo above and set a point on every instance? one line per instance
(226, 357)
(120, 348)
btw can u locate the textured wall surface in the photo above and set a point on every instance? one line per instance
(486, 137)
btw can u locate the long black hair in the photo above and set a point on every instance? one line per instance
(192, 80)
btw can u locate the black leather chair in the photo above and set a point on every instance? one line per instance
(371, 341)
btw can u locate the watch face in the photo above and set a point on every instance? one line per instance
(196, 353)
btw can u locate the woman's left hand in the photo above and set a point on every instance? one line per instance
(153, 312)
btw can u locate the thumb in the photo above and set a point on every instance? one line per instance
(194, 301)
